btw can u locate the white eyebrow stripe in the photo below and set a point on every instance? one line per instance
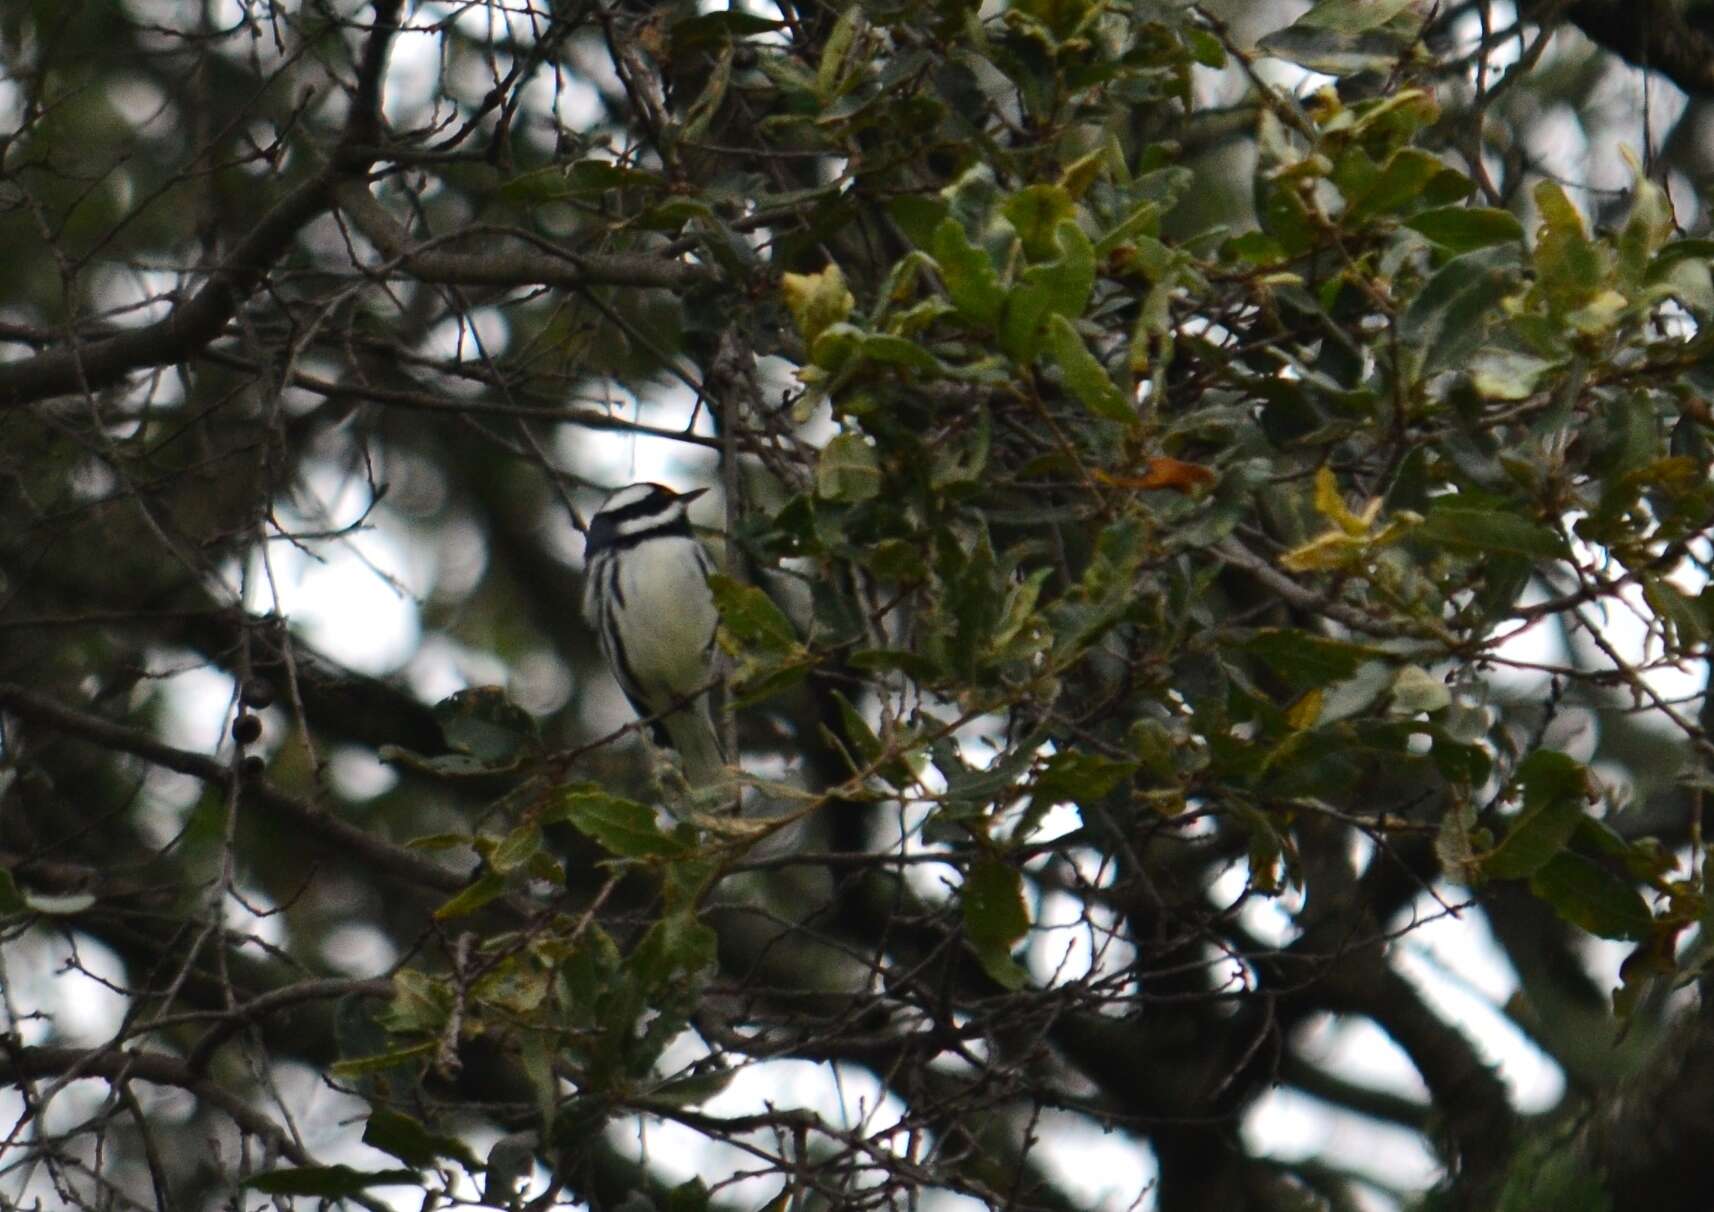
(630, 528)
(631, 494)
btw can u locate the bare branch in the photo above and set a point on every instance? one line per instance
(91, 366)
(396, 860)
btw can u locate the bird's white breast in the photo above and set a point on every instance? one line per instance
(668, 616)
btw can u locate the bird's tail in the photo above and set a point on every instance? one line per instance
(691, 729)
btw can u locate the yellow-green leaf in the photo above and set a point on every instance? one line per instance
(751, 617)
(848, 469)
(968, 273)
(619, 826)
(487, 886)
(1084, 374)
(816, 301)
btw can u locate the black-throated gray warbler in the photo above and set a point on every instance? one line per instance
(647, 597)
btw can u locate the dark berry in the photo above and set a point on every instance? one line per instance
(246, 729)
(256, 693)
(253, 767)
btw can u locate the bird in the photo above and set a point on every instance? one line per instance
(647, 597)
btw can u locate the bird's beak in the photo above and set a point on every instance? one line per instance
(690, 496)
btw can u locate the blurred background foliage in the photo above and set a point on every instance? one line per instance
(1204, 493)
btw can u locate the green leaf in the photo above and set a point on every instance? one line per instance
(1021, 321)
(1504, 578)
(1085, 375)
(442, 765)
(751, 616)
(1139, 229)
(1554, 790)
(919, 218)
(1450, 317)
(694, 1088)
(715, 28)
(1073, 776)
(858, 734)
(1058, 287)
(1415, 689)
(1036, 212)
(1203, 46)
(1570, 268)
(596, 176)
(1352, 16)
(1681, 615)
(708, 101)
(1591, 897)
(1069, 278)
(1336, 52)
(839, 345)
(1463, 228)
(487, 886)
(328, 1182)
(1459, 761)
(483, 723)
(677, 945)
(1254, 248)
(835, 347)
(673, 214)
(968, 274)
(419, 1004)
(1490, 531)
(1500, 374)
(831, 69)
(688, 1196)
(516, 984)
(995, 916)
(889, 349)
(1307, 661)
(362, 1066)
(1685, 279)
(848, 470)
(440, 841)
(1003, 969)
(412, 1143)
(619, 826)
(517, 849)
(1070, 777)
(1401, 182)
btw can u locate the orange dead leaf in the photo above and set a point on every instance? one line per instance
(1163, 472)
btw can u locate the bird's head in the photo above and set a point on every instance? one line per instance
(635, 510)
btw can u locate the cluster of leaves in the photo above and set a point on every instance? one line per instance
(1430, 344)
(1059, 422)
(1002, 297)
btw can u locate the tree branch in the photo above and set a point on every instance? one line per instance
(85, 367)
(1655, 35)
(395, 860)
(539, 265)
(157, 1068)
